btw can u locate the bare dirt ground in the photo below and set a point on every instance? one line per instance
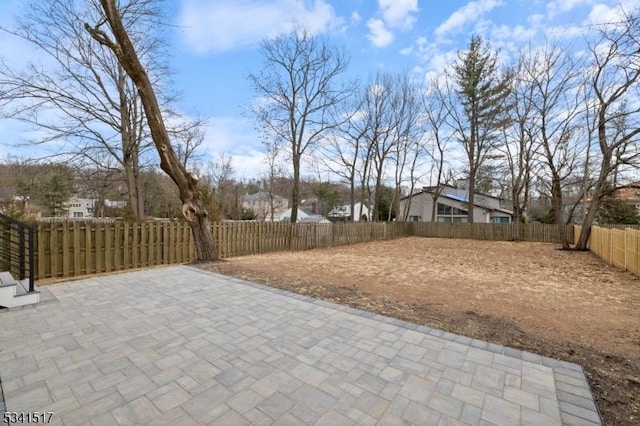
(531, 296)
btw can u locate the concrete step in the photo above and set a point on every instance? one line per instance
(6, 278)
(16, 293)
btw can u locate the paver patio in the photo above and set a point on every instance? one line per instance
(179, 345)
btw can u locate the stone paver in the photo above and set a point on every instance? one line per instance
(184, 346)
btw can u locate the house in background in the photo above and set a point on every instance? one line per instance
(630, 196)
(451, 206)
(303, 217)
(342, 213)
(78, 207)
(260, 204)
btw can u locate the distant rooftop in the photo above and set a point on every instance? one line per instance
(261, 196)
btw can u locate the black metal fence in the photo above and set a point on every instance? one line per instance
(17, 249)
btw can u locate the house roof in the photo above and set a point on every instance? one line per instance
(260, 196)
(432, 189)
(313, 219)
(344, 210)
(287, 214)
(627, 194)
(460, 199)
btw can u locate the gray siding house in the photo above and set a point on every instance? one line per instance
(451, 206)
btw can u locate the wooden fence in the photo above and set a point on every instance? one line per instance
(77, 248)
(494, 231)
(244, 238)
(617, 247)
(67, 249)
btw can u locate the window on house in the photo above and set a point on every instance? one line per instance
(448, 213)
(415, 218)
(449, 219)
(77, 214)
(499, 220)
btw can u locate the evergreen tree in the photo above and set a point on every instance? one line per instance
(54, 188)
(482, 91)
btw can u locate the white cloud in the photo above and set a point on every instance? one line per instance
(219, 25)
(432, 58)
(355, 18)
(406, 51)
(603, 14)
(563, 6)
(564, 32)
(508, 40)
(236, 138)
(471, 12)
(398, 13)
(379, 35)
(536, 19)
(393, 14)
(248, 163)
(224, 133)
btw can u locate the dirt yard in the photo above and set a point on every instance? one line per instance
(530, 296)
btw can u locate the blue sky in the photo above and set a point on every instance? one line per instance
(215, 45)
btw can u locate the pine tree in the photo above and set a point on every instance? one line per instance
(482, 92)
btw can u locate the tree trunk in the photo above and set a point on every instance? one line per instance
(605, 169)
(515, 203)
(130, 147)
(138, 188)
(585, 232)
(134, 187)
(396, 205)
(295, 197)
(434, 208)
(558, 213)
(362, 192)
(352, 197)
(471, 189)
(595, 203)
(376, 203)
(193, 208)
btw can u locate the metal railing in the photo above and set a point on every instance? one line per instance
(17, 249)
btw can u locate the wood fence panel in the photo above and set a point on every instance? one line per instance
(89, 251)
(66, 249)
(126, 248)
(159, 260)
(617, 247)
(135, 245)
(632, 253)
(108, 248)
(89, 247)
(618, 252)
(56, 251)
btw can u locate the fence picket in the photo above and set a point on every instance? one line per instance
(617, 247)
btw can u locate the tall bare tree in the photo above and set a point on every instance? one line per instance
(380, 101)
(299, 87)
(110, 32)
(437, 112)
(482, 90)
(97, 112)
(614, 78)
(273, 172)
(408, 133)
(555, 102)
(222, 199)
(342, 153)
